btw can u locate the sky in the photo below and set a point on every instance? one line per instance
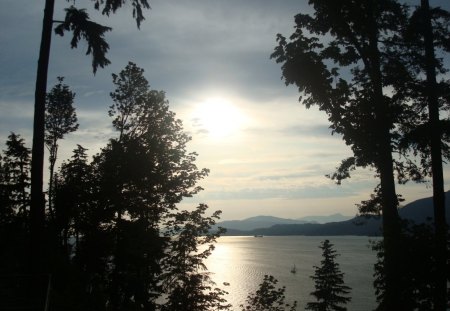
(268, 154)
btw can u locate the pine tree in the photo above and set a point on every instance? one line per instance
(330, 290)
(16, 171)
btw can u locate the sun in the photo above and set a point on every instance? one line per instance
(217, 118)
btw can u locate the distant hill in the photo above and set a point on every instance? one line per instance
(418, 211)
(325, 219)
(355, 226)
(257, 222)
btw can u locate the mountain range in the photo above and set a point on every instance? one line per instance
(418, 212)
(258, 222)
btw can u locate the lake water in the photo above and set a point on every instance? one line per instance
(243, 261)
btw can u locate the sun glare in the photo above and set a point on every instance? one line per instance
(218, 118)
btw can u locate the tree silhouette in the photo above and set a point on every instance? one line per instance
(14, 181)
(16, 174)
(419, 267)
(330, 290)
(78, 22)
(187, 284)
(420, 77)
(268, 297)
(440, 301)
(73, 193)
(14, 214)
(60, 119)
(116, 214)
(337, 58)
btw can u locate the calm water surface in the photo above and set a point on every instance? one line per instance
(243, 261)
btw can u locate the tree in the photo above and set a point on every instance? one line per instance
(79, 23)
(14, 213)
(426, 135)
(419, 269)
(60, 119)
(186, 282)
(16, 174)
(140, 177)
(338, 58)
(150, 150)
(330, 290)
(440, 301)
(73, 193)
(268, 297)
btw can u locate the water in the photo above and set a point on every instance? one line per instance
(243, 261)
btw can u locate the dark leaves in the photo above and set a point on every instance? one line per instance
(111, 6)
(82, 27)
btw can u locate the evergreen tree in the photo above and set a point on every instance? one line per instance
(60, 119)
(268, 297)
(6, 211)
(330, 290)
(16, 174)
(14, 212)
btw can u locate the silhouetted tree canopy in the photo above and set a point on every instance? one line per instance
(268, 297)
(337, 58)
(117, 216)
(77, 21)
(60, 119)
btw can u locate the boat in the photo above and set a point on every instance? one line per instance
(294, 269)
(258, 235)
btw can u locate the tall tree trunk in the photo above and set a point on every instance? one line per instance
(52, 159)
(37, 209)
(384, 163)
(436, 162)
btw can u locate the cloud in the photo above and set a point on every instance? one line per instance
(313, 130)
(293, 193)
(193, 50)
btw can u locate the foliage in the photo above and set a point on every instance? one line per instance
(73, 197)
(82, 27)
(78, 22)
(330, 290)
(15, 178)
(60, 119)
(268, 297)
(14, 213)
(345, 81)
(338, 58)
(111, 6)
(187, 285)
(424, 81)
(121, 238)
(418, 270)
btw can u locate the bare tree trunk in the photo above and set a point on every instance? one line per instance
(436, 162)
(37, 209)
